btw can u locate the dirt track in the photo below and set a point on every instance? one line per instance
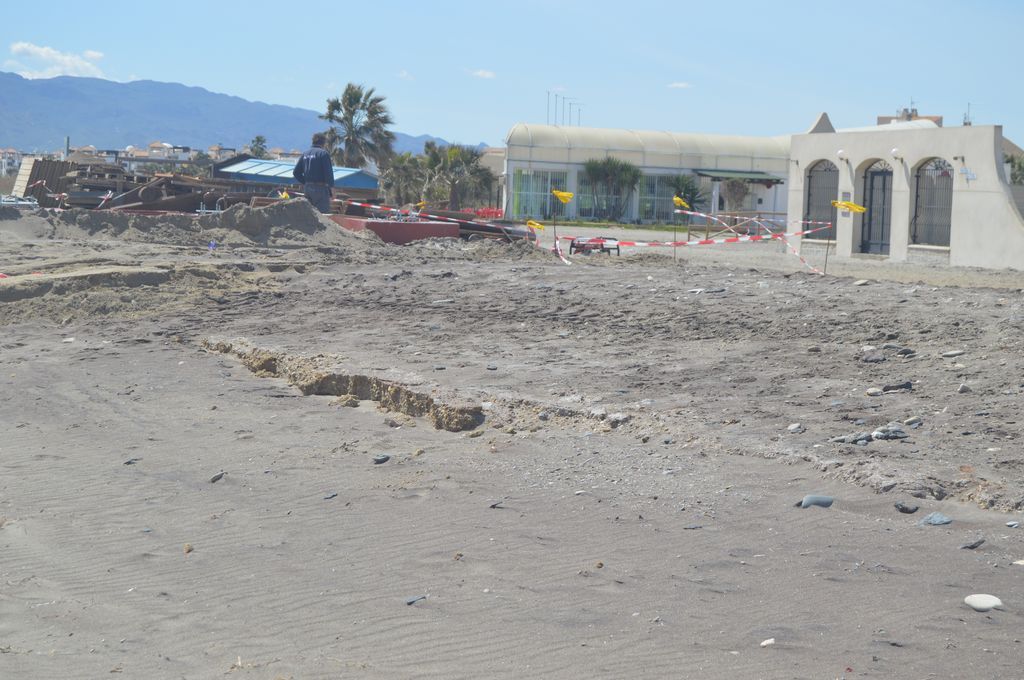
(644, 429)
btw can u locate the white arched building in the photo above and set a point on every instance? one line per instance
(540, 158)
(933, 194)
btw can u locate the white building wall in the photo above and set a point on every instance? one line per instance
(986, 228)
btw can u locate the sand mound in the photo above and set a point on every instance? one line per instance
(286, 224)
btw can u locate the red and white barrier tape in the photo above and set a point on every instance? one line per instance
(597, 240)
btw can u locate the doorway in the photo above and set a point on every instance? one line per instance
(875, 223)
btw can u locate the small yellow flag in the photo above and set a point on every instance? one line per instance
(421, 205)
(534, 225)
(680, 203)
(849, 205)
(563, 196)
(284, 194)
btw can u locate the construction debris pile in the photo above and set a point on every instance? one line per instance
(92, 185)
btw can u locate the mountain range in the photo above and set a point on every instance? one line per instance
(36, 115)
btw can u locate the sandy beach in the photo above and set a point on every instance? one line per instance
(252, 445)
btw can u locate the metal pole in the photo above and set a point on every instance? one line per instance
(547, 111)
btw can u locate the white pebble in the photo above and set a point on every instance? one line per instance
(768, 643)
(981, 602)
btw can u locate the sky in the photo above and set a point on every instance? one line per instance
(469, 71)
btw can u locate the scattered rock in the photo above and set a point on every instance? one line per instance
(981, 602)
(874, 391)
(860, 438)
(953, 353)
(217, 477)
(795, 428)
(768, 643)
(492, 367)
(913, 421)
(872, 357)
(616, 419)
(381, 459)
(188, 548)
(819, 501)
(935, 519)
(964, 389)
(414, 600)
(814, 349)
(901, 387)
(861, 282)
(890, 431)
(1013, 524)
(330, 496)
(972, 546)
(132, 461)
(906, 509)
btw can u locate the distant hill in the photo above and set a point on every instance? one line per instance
(35, 115)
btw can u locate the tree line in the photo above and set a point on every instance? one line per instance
(358, 136)
(453, 176)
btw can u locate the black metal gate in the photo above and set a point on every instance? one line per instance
(933, 206)
(821, 187)
(874, 231)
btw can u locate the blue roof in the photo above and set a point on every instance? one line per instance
(280, 172)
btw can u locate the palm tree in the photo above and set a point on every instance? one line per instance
(687, 187)
(359, 131)
(402, 179)
(614, 182)
(258, 147)
(455, 175)
(735, 191)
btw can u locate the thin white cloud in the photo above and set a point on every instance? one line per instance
(405, 75)
(679, 86)
(483, 73)
(46, 62)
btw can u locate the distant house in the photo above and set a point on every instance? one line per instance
(10, 161)
(219, 153)
(280, 154)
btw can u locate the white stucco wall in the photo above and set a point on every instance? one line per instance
(986, 228)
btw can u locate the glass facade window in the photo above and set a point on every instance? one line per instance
(531, 193)
(656, 192)
(586, 198)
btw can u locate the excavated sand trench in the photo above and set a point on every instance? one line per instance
(319, 375)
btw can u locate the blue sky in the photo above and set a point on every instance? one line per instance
(468, 71)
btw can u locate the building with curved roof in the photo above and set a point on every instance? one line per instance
(540, 158)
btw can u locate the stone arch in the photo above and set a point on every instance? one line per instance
(931, 221)
(821, 187)
(875, 184)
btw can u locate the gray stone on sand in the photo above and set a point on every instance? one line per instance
(935, 519)
(816, 500)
